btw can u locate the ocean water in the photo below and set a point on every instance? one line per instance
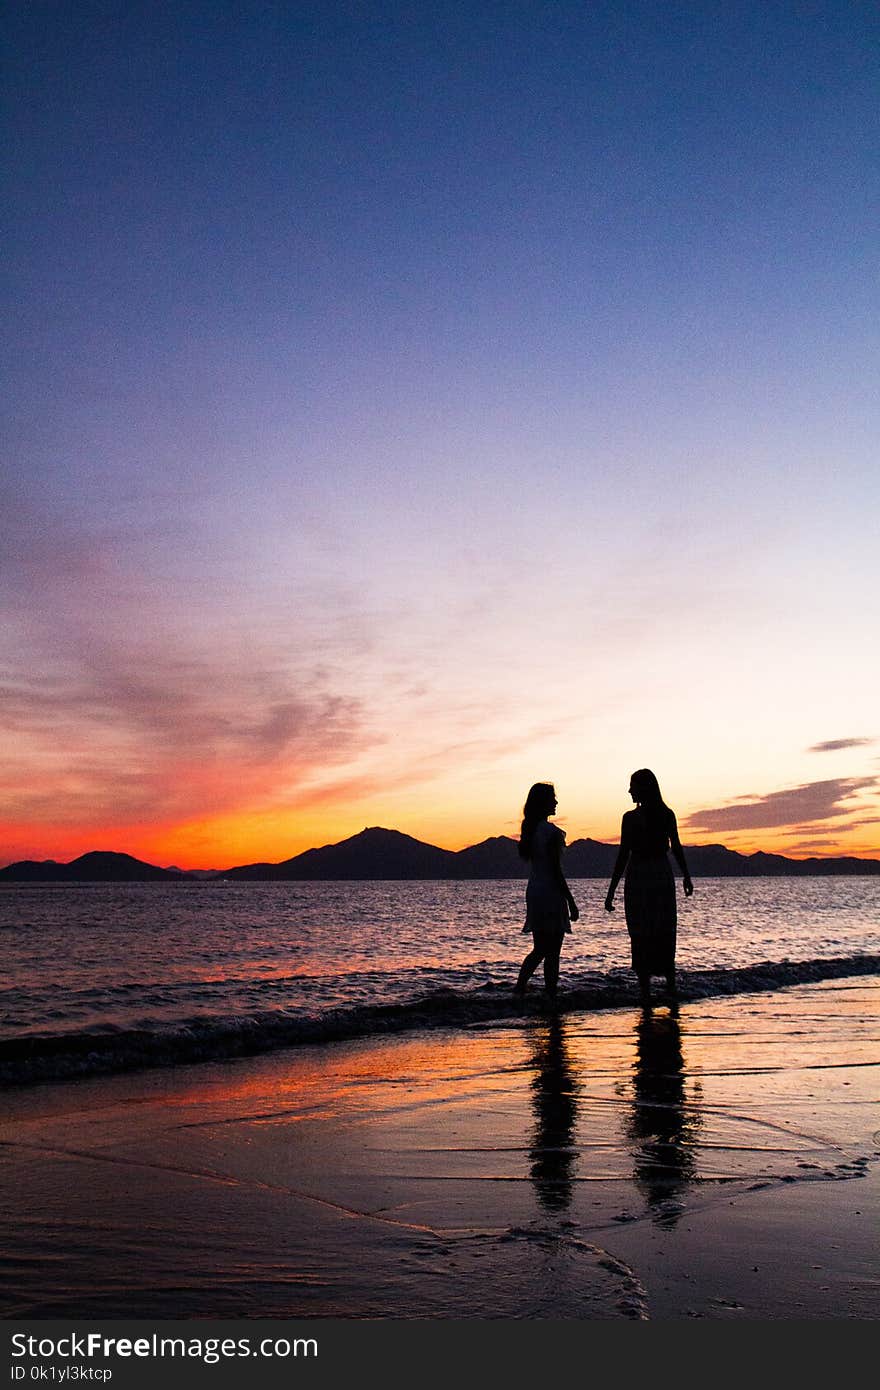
(103, 977)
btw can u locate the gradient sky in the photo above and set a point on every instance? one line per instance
(413, 402)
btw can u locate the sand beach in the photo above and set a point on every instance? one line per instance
(718, 1161)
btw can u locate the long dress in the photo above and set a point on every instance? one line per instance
(546, 904)
(649, 894)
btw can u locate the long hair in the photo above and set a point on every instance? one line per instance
(647, 794)
(539, 803)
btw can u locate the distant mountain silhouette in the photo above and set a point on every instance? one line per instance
(96, 866)
(194, 873)
(374, 853)
(589, 859)
(377, 853)
(497, 857)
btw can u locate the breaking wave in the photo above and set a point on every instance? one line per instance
(100, 1051)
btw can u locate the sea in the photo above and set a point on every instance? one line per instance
(106, 977)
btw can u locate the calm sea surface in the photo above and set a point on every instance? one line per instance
(132, 970)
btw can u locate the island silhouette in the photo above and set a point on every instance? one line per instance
(377, 853)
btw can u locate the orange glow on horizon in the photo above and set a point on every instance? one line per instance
(225, 841)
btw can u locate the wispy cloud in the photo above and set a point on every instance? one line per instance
(835, 745)
(806, 804)
(152, 735)
(841, 823)
(815, 844)
(122, 705)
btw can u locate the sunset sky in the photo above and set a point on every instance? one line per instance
(410, 402)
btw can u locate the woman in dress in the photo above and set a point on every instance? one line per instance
(646, 834)
(549, 905)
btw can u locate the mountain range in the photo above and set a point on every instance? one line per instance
(377, 853)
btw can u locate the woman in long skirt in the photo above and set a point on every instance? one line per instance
(647, 833)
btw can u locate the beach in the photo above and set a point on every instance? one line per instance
(714, 1161)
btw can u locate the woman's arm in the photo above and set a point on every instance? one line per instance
(556, 861)
(678, 855)
(619, 865)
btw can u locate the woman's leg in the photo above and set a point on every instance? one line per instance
(551, 968)
(528, 968)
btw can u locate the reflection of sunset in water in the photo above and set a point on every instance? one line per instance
(522, 1169)
(111, 976)
(354, 1078)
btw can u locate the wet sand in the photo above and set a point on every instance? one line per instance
(715, 1162)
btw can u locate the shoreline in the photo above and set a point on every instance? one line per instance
(47, 1059)
(596, 1165)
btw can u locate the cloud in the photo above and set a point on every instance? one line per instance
(834, 745)
(811, 802)
(122, 704)
(841, 823)
(816, 844)
(151, 735)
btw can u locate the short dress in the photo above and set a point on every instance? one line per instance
(649, 895)
(546, 903)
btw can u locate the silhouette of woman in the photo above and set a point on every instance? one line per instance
(549, 904)
(646, 834)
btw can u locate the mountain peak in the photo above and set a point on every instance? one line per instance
(98, 857)
(377, 852)
(97, 865)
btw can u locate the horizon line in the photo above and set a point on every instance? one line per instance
(696, 845)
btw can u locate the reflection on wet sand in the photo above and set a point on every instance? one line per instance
(664, 1123)
(554, 1089)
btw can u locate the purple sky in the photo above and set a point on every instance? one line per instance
(409, 403)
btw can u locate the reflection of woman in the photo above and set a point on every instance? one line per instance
(646, 834)
(663, 1127)
(549, 904)
(554, 1091)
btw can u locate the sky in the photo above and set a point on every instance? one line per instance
(407, 403)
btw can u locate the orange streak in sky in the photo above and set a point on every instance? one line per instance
(221, 842)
